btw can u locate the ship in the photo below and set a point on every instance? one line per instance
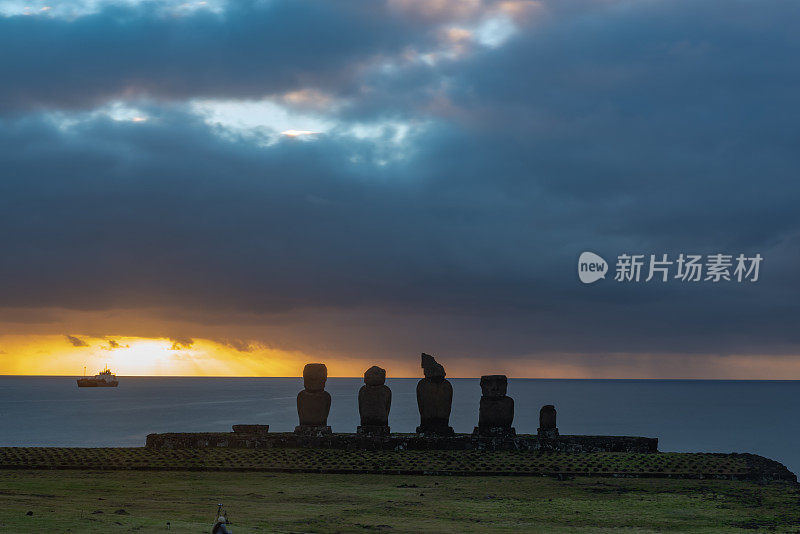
(103, 379)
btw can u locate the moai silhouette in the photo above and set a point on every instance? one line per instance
(496, 412)
(547, 422)
(374, 402)
(314, 403)
(434, 399)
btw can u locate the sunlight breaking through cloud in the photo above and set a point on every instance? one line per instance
(137, 356)
(71, 9)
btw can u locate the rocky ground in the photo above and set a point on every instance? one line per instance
(407, 462)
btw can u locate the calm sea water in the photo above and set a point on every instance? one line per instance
(710, 416)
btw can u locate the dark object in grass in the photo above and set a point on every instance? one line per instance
(496, 413)
(374, 403)
(434, 399)
(314, 403)
(547, 422)
(221, 523)
(251, 429)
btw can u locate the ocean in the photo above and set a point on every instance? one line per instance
(685, 415)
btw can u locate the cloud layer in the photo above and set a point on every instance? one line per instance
(458, 177)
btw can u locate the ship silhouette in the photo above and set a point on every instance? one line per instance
(103, 379)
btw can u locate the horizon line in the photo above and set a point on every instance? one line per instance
(687, 379)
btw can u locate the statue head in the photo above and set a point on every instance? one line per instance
(314, 376)
(431, 367)
(494, 385)
(375, 376)
(547, 417)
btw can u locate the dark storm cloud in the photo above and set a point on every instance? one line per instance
(240, 345)
(661, 127)
(76, 341)
(168, 215)
(181, 343)
(250, 50)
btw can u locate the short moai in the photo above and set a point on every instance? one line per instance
(434, 399)
(496, 412)
(374, 402)
(314, 403)
(547, 422)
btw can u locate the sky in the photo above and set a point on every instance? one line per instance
(214, 188)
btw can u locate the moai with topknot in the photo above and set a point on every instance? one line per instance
(434, 399)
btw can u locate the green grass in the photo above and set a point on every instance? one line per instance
(86, 501)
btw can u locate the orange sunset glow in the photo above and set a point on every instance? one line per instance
(134, 356)
(162, 356)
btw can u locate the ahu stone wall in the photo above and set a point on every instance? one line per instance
(563, 443)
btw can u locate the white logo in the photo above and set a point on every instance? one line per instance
(687, 268)
(591, 267)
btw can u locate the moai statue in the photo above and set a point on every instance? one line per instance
(547, 422)
(496, 409)
(434, 399)
(374, 402)
(314, 403)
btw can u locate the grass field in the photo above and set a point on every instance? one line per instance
(144, 501)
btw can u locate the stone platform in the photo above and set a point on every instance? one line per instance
(399, 442)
